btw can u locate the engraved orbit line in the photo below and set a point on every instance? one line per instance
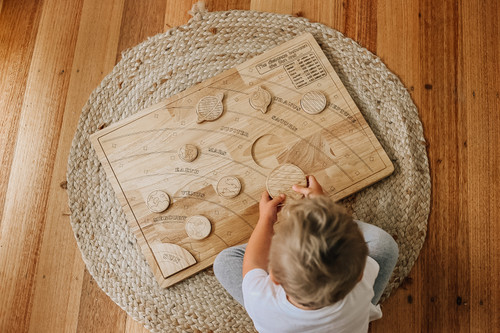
(211, 131)
(220, 205)
(361, 129)
(202, 177)
(130, 207)
(189, 107)
(310, 119)
(194, 175)
(297, 92)
(172, 129)
(354, 115)
(166, 173)
(227, 89)
(145, 154)
(307, 118)
(298, 136)
(195, 129)
(216, 180)
(237, 162)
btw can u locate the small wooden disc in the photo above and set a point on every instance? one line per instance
(260, 99)
(210, 108)
(282, 178)
(313, 102)
(228, 187)
(158, 201)
(188, 153)
(198, 227)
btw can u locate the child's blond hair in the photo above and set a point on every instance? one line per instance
(318, 252)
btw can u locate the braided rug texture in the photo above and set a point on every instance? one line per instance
(167, 64)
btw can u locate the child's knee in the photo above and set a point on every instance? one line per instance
(221, 260)
(390, 245)
(382, 244)
(230, 257)
(386, 238)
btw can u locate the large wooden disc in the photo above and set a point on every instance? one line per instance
(282, 178)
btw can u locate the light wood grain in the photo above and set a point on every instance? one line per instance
(228, 187)
(157, 201)
(404, 59)
(97, 311)
(26, 197)
(260, 99)
(171, 258)
(18, 35)
(278, 6)
(339, 149)
(60, 280)
(140, 19)
(281, 180)
(188, 153)
(210, 108)
(446, 54)
(198, 227)
(313, 102)
(478, 145)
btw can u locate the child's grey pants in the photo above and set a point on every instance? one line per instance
(382, 248)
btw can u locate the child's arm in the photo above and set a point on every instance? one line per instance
(257, 251)
(313, 188)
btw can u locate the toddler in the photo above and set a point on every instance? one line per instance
(320, 272)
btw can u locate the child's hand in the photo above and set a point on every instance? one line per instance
(313, 188)
(268, 208)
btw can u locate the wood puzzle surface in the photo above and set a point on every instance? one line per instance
(205, 154)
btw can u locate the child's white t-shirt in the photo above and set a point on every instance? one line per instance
(267, 305)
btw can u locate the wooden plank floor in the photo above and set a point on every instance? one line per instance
(53, 53)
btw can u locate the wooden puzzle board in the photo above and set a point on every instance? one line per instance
(141, 154)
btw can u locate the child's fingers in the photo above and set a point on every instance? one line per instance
(265, 197)
(313, 183)
(279, 199)
(300, 189)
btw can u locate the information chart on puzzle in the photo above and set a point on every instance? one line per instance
(189, 171)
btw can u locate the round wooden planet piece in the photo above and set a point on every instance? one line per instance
(228, 187)
(210, 108)
(198, 227)
(188, 153)
(282, 178)
(260, 99)
(313, 102)
(158, 201)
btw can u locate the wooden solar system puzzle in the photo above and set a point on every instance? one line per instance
(189, 171)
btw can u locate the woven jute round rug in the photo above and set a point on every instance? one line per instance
(167, 64)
